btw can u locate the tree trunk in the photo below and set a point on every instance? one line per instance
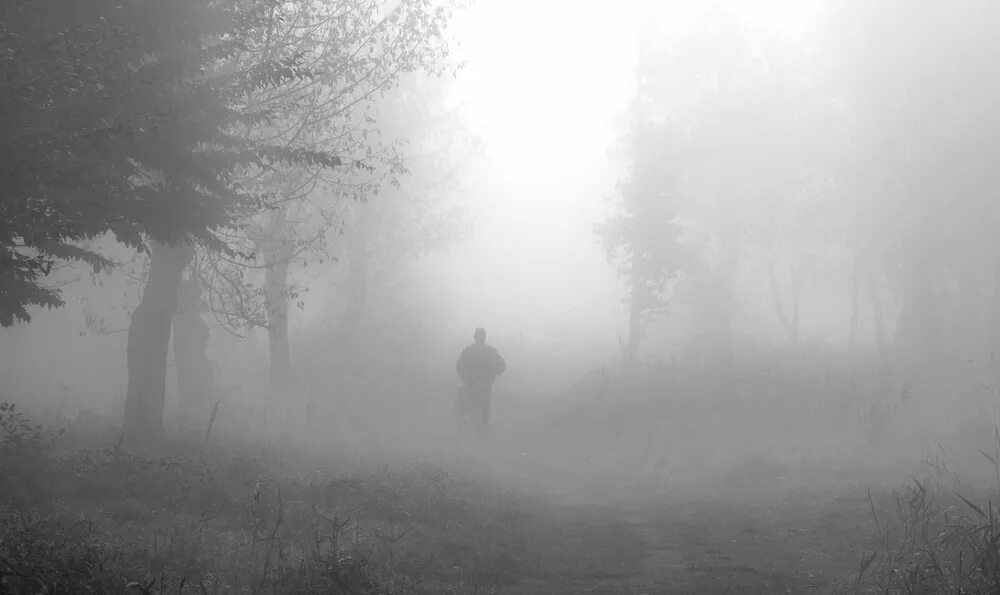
(789, 322)
(994, 305)
(968, 318)
(276, 296)
(878, 318)
(918, 337)
(852, 334)
(149, 340)
(798, 282)
(357, 281)
(726, 288)
(194, 372)
(630, 351)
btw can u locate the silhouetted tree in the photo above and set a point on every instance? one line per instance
(125, 115)
(357, 51)
(194, 371)
(918, 83)
(643, 239)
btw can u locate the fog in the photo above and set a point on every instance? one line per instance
(725, 250)
(544, 120)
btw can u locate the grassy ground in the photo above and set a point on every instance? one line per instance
(250, 524)
(273, 520)
(606, 502)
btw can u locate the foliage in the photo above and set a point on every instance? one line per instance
(337, 110)
(862, 150)
(643, 239)
(21, 452)
(17, 428)
(263, 518)
(120, 119)
(411, 217)
(920, 161)
(936, 540)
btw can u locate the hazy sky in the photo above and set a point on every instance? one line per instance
(542, 91)
(544, 82)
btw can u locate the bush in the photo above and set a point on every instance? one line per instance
(24, 459)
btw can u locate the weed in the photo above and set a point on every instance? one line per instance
(938, 540)
(104, 519)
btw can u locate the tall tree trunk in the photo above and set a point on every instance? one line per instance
(149, 340)
(918, 329)
(798, 282)
(276, 296)
(995, 304)
(852, 334)
(968, 320)
(194, 372)
(878, 317)
(630, 350)
(357, 281)
(918, 337)
(723, 300)
(789, 320)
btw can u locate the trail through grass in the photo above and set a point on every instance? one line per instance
(84, 512)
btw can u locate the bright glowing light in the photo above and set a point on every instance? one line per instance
(544, 83)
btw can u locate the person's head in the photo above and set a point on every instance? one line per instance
(479, 335)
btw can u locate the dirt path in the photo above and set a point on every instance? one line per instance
(792, 547)
(796, 544)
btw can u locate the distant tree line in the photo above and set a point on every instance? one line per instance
(861, 156)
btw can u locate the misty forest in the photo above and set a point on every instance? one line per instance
(499, 296)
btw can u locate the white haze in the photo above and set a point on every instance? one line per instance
(544, 89)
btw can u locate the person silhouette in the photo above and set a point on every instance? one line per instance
(478, 366)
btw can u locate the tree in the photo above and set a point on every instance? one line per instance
(643, 239)
(754, 168)
(358, 50)
(411, 217)
(57, 185)
(194, 371)
(710, 84)
(124, 117)
(232, 87)
(149, 338)
(91, 145)
(916, 82)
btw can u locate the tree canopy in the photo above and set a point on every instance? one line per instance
(121, 118)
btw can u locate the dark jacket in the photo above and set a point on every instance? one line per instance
(479, 365)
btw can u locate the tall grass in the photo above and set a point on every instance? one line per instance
(935, 539)
(269, 521)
